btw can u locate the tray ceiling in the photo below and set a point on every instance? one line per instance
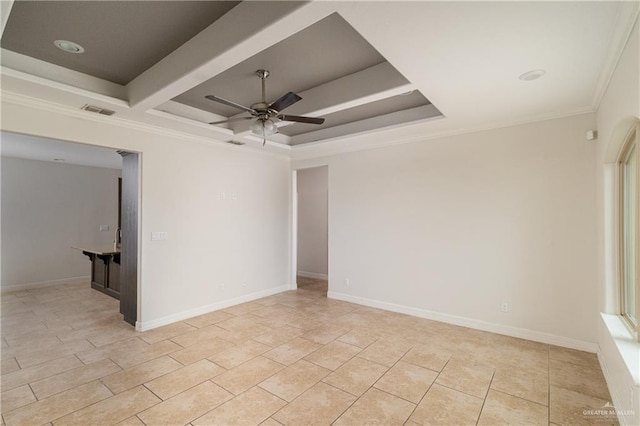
(319, 54)
(456, 63)
(122, 40)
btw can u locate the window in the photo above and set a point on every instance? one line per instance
(629, 178)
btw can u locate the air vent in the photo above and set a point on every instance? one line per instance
(235, 142)
(98, 110)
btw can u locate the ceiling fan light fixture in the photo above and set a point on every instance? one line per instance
(263, 127)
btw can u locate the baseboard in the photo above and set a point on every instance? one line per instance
(506, 330)
(169, 319)
(49, 283)
(313, 275)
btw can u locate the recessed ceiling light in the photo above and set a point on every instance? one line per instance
(532, 75)
(68, 46)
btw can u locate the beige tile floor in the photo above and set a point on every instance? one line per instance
(296, 358)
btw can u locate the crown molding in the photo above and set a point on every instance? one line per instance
(366, 140)
(626, 19)
(386, 138)
(39, 104)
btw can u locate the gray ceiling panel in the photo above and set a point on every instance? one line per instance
(121, 39)
(325, 51)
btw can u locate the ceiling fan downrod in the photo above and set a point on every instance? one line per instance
(263, 74)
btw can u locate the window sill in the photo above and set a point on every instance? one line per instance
(626, 344)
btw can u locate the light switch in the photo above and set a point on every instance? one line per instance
(104, 227)
(157, 236)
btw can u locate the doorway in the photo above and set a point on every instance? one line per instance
(60, 204)
(312, 233)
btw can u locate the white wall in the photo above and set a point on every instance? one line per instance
(46, 209)
(618, 112)
(312, 222)
(243, 243)
(450, 228)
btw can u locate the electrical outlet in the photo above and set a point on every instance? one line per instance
(504, 307)
(223, 195)
(157, 236)
(234, 195)
(221, 286)
(347, 282)
(244, 283)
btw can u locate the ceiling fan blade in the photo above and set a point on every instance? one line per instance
(229, 103)
(299, 119)
(230, 120)
(285, 101)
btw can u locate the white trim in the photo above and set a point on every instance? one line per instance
(506, 330)
(619, 355)
(628, 348)
(293, 284)
(216, 139)
(628, 13)
(333, 146)
(169, 319)
(48, 283)
(95, 96)
(61, 78)
(384, 137)
(613, 390)
(5, 10)
(313, 275)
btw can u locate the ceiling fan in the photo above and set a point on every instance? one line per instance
(266, 114)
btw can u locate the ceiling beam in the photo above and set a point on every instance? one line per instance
(369, 85)
(5, 10)
(186, 111)
(244, 31)
(398, 118)
(56, 73)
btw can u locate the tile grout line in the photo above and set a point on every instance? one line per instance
(144, 385)
(373, 384)
(429, 388)
(484, 400)
(86, 406)
(517, 397)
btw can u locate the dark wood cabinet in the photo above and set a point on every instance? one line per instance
(105, 271)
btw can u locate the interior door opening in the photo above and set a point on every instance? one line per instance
(312, 245)
(72, 192)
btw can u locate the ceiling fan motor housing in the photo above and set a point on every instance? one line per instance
(262, 108)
